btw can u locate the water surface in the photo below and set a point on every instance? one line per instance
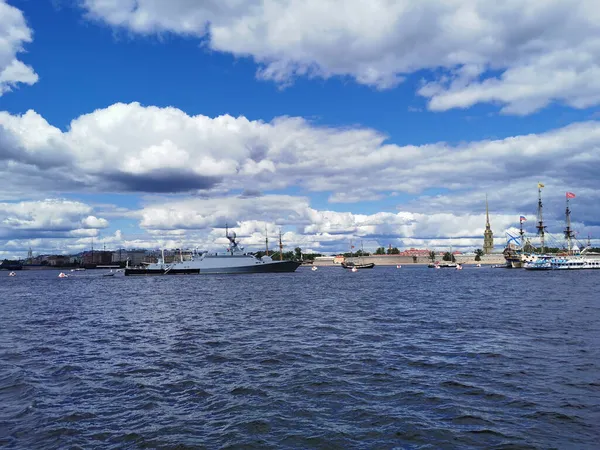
(382, 358)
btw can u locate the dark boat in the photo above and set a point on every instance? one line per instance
(442, 265)
(357, 265)
(350, 265)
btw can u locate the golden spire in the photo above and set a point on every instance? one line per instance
(488, 234)
(487, 213)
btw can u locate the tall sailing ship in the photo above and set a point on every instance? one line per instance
(574, 257)
(518, 251)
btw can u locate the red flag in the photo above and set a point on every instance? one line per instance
(352, 246)
(570, 195)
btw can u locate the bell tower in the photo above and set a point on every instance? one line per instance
(488, 234)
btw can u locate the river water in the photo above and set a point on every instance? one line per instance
(383, 358)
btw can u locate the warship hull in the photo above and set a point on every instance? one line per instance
(142, 272)
(208, 267)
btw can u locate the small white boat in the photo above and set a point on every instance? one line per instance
(12, 274)
(314, 268)
(458, 267)
(478, 265)
(62, 275)
(354, 269)
(398, 266)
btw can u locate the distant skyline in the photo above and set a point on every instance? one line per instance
(153, 124)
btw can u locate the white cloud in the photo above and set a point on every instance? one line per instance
(59, 226)
(14, 33)
(46, 217)
(165, 151)
(520, 55)
(203, 220)
(172, 225)
(129, 147)
(94, 222)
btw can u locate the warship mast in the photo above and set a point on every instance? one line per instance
(280, 247)
(266, 240)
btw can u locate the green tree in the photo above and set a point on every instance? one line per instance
(380, 251)
(449, 257)
(432, 256)
(478, 254)
(298, 253)
(393, 251)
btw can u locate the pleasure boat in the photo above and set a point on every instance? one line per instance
(541, 262)
(575, 261)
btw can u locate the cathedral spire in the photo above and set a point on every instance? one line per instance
(487, 214)
(488, 235)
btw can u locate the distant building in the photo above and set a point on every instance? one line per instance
(488, 235)
(119, 256)
(58, 260)
(102, 258)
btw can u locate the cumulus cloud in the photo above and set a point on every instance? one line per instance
(48, 218)
(461, 227)
(232, 166)
(130, 147)
(94, 222)
(14, 33)
(320, 229)
(520, 55)
(62, 226)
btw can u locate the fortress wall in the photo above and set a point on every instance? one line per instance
(394, 260)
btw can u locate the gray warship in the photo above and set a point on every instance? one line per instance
(200, 263)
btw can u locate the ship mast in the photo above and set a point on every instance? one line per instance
(522, 233)
(568, 231)
(231, 241)
(280, 247)
(266, 240)
(540, 226)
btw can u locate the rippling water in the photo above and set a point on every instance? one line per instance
(387, 358)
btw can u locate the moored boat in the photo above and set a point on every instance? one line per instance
(235, 261)
(356, 262)
(352, 265)
(574, 259)
(542, 262)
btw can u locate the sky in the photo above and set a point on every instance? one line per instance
(152, 124)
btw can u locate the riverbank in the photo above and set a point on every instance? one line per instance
(395, 260)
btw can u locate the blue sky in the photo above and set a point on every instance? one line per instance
(144, 129)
